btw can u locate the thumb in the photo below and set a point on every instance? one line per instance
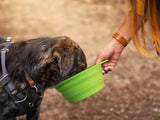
(98, 59)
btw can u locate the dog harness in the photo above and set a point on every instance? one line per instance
(19, 97)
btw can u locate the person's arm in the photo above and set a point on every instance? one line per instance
(112, 51)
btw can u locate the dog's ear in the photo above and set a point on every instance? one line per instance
(62, 55)
(65, 50)
(65, 62)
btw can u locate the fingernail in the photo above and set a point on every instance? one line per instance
(106, 71)
(103, 72)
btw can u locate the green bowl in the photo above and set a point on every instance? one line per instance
(83, 84)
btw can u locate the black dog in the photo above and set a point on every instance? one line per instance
(32, 66)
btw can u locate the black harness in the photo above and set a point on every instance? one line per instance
(19, 97)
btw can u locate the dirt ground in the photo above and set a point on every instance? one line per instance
(132, 90)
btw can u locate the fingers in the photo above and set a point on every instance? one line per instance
(106, 69)
(99, 58)
(105, 54)
(104, 65)
(97, 61)
(109, 66)
(112, 52)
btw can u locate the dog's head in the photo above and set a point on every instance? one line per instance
(46, 60)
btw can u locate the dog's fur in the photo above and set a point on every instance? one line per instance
(48, 61)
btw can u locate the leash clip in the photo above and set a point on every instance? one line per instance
(35, 87)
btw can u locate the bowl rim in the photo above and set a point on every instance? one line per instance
(63, 82)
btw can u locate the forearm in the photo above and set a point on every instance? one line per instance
(125, 28)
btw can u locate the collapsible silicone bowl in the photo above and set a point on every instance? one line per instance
(83, 84)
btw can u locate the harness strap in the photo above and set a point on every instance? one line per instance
(3, 53)
(6, 82)
(12, 90)
(20, 99)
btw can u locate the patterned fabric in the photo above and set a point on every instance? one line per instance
(140, 7)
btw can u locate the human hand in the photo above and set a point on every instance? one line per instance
(112, 51)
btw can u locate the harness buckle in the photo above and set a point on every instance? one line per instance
(35, 87)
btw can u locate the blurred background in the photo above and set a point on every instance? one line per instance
(132, 90)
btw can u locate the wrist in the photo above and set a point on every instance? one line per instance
(117, 44)
(120, 39)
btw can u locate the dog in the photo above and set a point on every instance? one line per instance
(33, 66)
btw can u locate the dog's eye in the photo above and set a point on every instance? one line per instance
(83, 66)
